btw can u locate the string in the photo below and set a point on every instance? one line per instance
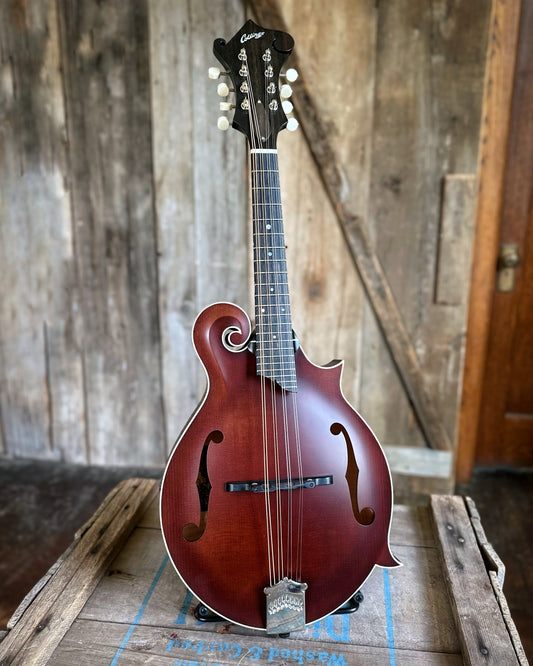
(268, 184)
(268, 176)
(260, 331)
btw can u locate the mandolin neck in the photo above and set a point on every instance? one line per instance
(274, 337)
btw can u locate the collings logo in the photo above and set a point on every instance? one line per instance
(252, 35)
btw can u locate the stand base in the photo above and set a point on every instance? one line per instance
(204, 614)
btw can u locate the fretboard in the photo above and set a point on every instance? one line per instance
(274, 337)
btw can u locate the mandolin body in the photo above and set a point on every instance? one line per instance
(217, 538)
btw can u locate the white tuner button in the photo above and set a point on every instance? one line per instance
(223, 90)
(291, 75)
(213, 72)
(285, 91)
(292, 124)
(223, 123)
(226, 106)
(287, 106)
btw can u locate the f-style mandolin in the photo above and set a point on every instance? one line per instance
(276, 501)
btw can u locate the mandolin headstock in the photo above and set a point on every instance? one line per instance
(253, 59)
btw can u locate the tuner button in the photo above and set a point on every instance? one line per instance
(292, 124)
(223, 90)
(223, 123)
(213, 72)
(285, 91)
(287, 106)
(226, 106)
(291, 75)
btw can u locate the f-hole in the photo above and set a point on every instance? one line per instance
(191, 531)
(366, 515)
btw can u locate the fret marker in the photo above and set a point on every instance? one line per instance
(283, 309)
(269, 226)
(271, 288)
(270, 254)
(274, 337)
(262, 309)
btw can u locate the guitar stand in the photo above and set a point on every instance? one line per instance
(204, 614)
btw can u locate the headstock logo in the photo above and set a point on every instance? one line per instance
(252, 35)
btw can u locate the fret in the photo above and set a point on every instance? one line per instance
(269, 305)
(277, 315)
(270, 286)
(270, 291)
(284, 351)
(282, 331)
(271, 260)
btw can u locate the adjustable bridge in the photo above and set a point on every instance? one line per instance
(281, 484)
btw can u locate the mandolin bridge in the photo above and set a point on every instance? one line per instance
(281, 484)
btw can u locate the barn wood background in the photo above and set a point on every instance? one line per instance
(124, 211)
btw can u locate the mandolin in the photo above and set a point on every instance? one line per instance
(276, 501)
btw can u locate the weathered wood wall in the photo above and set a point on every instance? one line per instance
(123, 210)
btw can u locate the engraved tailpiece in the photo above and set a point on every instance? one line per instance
(285, 603)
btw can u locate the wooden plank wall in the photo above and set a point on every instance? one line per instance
(115, 188)
(401, 92)
(123, 210)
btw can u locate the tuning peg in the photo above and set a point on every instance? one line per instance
(292, 124)
(287, 106)
(223, 123)
(291, 75)
(223, 90)
(226, 106)
(285, 91)
(215, 73)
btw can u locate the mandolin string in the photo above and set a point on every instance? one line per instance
(256, 228)
(285, 372)
(274, 206)
(268, 179)
(269, 176)
(267, 348)
(299, 542)
(296, 570)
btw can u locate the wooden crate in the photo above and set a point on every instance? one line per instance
(114, 598)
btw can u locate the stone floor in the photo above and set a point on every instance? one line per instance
(43, 504)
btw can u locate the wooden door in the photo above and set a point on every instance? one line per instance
(505, 433)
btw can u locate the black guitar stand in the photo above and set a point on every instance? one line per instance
(204, 614)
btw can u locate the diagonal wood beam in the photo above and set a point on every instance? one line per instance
(364, 257)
